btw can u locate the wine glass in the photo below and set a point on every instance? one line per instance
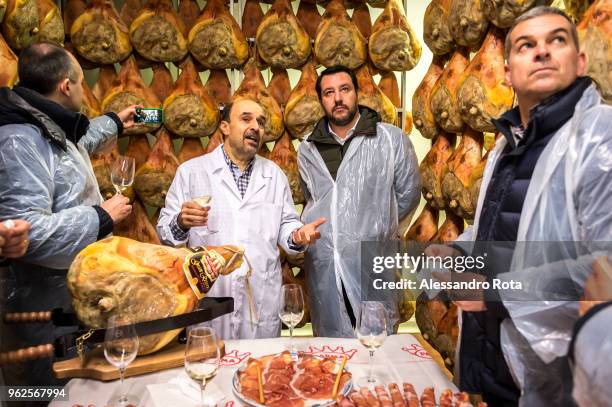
(202, 356)
(122, 173)
(291, 310)
(196, 183)
(371, 331)
(120, 349)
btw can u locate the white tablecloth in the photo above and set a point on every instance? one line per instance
(400, 359)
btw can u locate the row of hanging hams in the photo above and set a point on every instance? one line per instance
(159, 33)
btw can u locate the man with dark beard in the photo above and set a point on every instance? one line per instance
(363, 176)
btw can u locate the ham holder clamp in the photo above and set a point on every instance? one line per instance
(85, 340)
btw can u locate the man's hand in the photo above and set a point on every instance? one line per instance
(307, 234)
(598, 286)
(192, 215)
(14, 238)
(467, 300)
(118, 207)
(127, 116)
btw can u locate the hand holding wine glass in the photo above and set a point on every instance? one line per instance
(371, 331)
(122, 173)
(291, 310)
(202, 356)
(120, 349)
(196, 212)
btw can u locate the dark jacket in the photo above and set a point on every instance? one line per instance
(482, 365)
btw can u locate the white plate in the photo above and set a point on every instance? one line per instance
(346, 389)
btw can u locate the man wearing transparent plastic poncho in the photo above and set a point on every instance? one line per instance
(363, 177)
(558, 212)
(47, 180)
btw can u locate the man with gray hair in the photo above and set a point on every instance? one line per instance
(546, 179)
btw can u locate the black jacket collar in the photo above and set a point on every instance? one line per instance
(23, 105)
(545, 118)
(366, 126)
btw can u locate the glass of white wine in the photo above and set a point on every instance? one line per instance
(202, 356)
(291, 310)
(196, 187)
(371, 331)
(122, 173)
(120, 349)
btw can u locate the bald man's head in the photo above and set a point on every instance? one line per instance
(43, 66)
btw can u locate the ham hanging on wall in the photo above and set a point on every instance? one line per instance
(280, 87)
(130, 10)
(50, 23)
(434, 167)
(389, 86)
(281, 40)
(252, 16)
(106, 76)
(303, 109)
(189, 12)
(371, 96)
(158, 32)
(219, 87)
(139, 148)
(162, 82)
(436, 31)
(309, 17)
(285, 156)
(71, 11)
(215, 40)
(128, 89)
(424, 227)
(483, 94)
(393, 45)
(468, 24)
(99, 35)
(91, 105)
(362, 19)
(444, 93)
(191, 148)
(20, 26)
(502, 13)
(422, 114)
(189, 111)
(338, 41)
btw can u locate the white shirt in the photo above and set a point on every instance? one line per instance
(349, 134)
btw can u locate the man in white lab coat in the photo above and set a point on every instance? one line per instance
(252, 207)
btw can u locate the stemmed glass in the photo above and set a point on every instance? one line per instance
(291, 310)
(195, 192)
(371, 331)
(202, 356)
(122, 173)
(120, 349)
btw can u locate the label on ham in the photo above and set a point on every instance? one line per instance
(199, 270)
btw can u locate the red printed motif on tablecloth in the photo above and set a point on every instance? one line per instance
(416, 350)
(331, 352)
(234, 358)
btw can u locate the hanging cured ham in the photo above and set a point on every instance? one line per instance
(191, 148)
(106, 76)
(434, 167)
(458, 181)
(280, 87)
(309, 17)
(303, 109)
(189, 12)
(253, 87)
(20, 25)
(467, 22)
(577, 8)
(137, 226)
(436, 31)
(437, 321)
(154, 177)
(162, 82)
(424, 227)
(120, 275)
(389, 86)
(99, 35)
(502, 13)
(338, 41)
(139, 148)
(393, 45)
(421, 100)
(483, 94)
(219, 87)
(595, 32)
(71, 11)
(50, 23)
(91, 105)
(189, 110)
(215, 141)
(444, 93)
(215, 40)
(371, 96)
(128, 89)
(158, 32)
(130, 10)
(281, 40)
(450, 229)
(252, 16)
(362, 19)
(8, 70)
(285, 156)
